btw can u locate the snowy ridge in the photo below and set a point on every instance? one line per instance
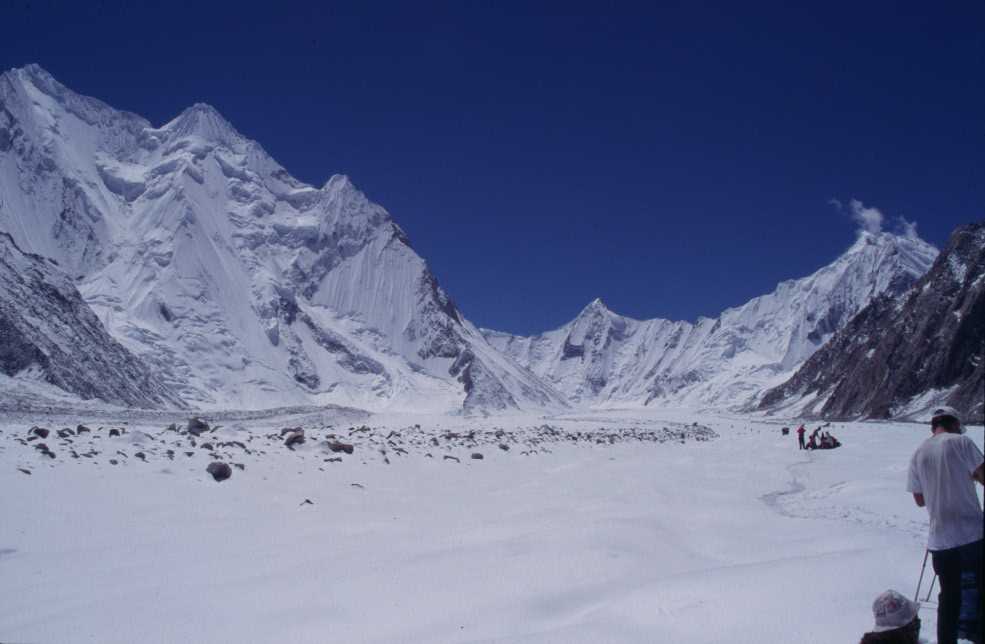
(241, 285)
(900, 357)
(604, 359)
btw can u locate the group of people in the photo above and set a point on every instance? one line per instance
(942, 476)
(819, 439)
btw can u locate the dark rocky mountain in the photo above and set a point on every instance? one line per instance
(902, 356)
(48, 334)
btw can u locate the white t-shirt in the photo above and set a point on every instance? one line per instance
(941, 470)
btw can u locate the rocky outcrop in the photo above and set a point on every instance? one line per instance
(902, 356)
(48, 334)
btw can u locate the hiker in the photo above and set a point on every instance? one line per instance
(812, 444)
(896, 620)
(800, 436)
(941, 478)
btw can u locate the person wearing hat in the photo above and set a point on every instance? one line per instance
(896, 620)
(941, 477)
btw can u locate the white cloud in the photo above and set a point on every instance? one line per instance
(867, 218)
(908, 228)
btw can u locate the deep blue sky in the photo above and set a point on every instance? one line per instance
(673, 160)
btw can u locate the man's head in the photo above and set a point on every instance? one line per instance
(947, 419)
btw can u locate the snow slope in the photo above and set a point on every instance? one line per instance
(740, 539)
(604, 359)
(239, 284)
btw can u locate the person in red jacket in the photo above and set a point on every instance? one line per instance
(800, 436)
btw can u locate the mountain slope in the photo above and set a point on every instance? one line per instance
(49, 334)
(601, 358)
(908, 354)
(248, 288)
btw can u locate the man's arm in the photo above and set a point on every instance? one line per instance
(979, 474)
(918, 499)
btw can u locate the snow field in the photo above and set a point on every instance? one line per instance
(741, 539)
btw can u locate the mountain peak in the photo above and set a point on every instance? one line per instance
(596, 306)
(205, 121)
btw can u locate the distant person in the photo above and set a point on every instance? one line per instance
(812, 444)
(941, 477)
(896, 620)
(800, 437)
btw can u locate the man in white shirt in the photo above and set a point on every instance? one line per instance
(941, 478)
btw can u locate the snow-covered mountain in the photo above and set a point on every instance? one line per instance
(602, 358)
(903, 356)
(50, 337)
(241, 285)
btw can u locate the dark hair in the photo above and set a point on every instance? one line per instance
(948, 422)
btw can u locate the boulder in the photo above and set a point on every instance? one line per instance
(295, 437)
(196, 426)
(476, 456)
(40, 431)
(219, 471)
(337, 446)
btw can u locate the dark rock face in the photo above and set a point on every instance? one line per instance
(932, 338)
(219, 471)
(46, 325)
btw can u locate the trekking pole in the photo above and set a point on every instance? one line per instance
(931, 589)
(923, 568)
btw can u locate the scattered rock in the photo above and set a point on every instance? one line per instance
(219, 471)
(504, 447)
(41, 447)
(114, 432)
(26, 471)
(337, 446)
(476, 456)
(113, 461)
(207, 446)
(446, 457)
(358, 485)
(82, 429)
(141, 456)
(65, 433)
(307, 502)
(290, 430)
(334, 459)
(40, 431)
(295, 437)
(196, 426)
(239, 466)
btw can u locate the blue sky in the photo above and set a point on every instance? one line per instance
(673, 159)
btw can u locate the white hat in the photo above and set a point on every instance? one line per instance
(893, 610)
